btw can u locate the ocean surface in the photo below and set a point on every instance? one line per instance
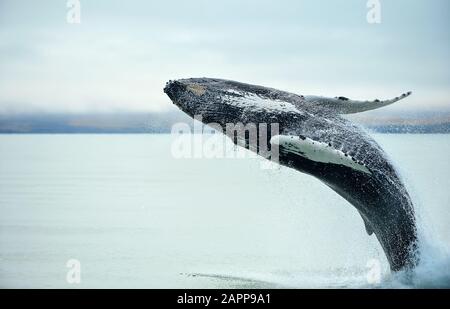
(134, 216)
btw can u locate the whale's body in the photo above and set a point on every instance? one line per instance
(315, 139)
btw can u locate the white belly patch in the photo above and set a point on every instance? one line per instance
(316, 151)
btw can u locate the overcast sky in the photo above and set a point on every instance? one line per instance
(122, 53)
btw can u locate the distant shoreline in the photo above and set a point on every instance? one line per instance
(161, 123)
(372, 130)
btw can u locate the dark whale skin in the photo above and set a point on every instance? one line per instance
(380, 197)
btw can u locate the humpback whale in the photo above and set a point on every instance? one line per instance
(314, 138)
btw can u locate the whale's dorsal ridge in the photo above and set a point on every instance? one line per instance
(344, 105)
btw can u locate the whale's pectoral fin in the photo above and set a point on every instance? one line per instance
(316, 151)
(343, 105)
(369, 230)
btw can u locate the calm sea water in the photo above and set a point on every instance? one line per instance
(134, 216)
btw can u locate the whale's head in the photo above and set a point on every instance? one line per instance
(223, 101)
(189, 95)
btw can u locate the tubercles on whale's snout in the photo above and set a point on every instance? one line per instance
(174, 89)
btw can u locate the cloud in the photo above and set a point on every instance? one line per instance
(122, 53)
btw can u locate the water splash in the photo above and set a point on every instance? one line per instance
(433, 269)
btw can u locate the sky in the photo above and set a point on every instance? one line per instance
(119, 57)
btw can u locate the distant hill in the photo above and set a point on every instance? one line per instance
(91, 123)
(162, 122)
(404, 122)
